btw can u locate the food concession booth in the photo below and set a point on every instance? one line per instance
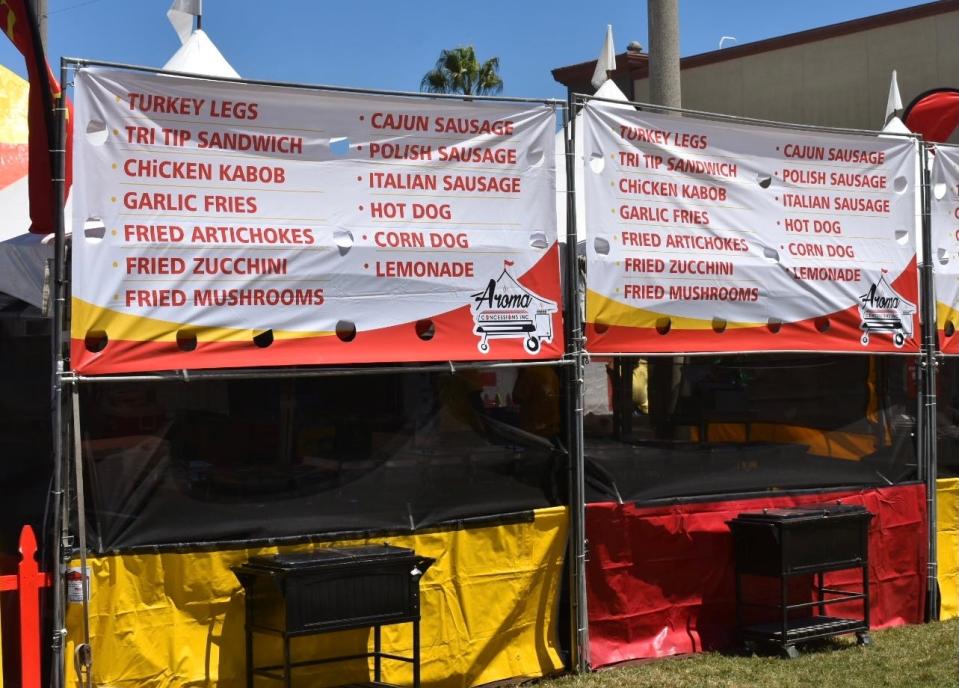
(752, 309)
(356, 337)
(304, 319)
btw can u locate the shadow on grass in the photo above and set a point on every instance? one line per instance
(808, 647)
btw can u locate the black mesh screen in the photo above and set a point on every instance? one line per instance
(216, 461)
(688, 426)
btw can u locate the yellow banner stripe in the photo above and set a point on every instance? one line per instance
(88, 317)
(609, 312)
(945, 312)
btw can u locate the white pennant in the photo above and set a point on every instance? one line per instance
(894, 102)
(181, 15)
(607, 60)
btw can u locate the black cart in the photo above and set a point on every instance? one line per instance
(802, 541)
(327, 590)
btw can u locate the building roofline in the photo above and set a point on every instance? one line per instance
(632, 63)
(639, 68)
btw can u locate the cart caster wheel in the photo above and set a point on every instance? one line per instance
(790, 652)
(899, 339)
(532, 344)
(863, 639)
(864, 339)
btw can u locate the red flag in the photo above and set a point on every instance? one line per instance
(18, 22)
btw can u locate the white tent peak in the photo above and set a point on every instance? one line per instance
(610, 91)
(198, 55)
(895, 126)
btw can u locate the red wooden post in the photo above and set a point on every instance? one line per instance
(29, 583)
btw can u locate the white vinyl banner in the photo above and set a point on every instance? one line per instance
(709, 236)
(945, 244)
(230, 224)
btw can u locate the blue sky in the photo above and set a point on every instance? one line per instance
(390, 45)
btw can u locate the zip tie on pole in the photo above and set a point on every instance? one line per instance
(58, 636)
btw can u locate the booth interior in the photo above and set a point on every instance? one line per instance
(25, 438)
(687, 427)
(676, 446)
(185, 481)
(222, 461)
(26, 447)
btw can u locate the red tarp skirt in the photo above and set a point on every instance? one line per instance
(660, 579)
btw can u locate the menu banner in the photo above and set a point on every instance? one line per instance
(233, 225)
(710, 237)
(945, 244)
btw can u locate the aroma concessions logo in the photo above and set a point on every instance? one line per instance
(505, 309)
(883, 309)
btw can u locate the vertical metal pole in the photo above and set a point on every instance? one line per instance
(928, 368)
(739, 601)
(416, 653)
(248, 633)
(784, 607)
(60, 543)
(866, 608)
(83, 660)
(820, 584)
(574, 348)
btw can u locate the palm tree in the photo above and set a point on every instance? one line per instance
(458, 71)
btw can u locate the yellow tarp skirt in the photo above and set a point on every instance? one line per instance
(490, 606)
(947, 544)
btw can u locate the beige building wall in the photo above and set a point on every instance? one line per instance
(841, 81)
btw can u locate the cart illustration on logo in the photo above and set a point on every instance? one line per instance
(505, 309)
(883, 309)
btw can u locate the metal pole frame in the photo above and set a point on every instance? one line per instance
(576, 352)
(927, 356)
(191, 375)
(61, 543)
(573, 363)
(929, 366)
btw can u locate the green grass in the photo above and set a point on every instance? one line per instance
(906, 657)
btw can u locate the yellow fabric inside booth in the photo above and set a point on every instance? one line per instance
(835, 444)
(947, 544)
(489, 609)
